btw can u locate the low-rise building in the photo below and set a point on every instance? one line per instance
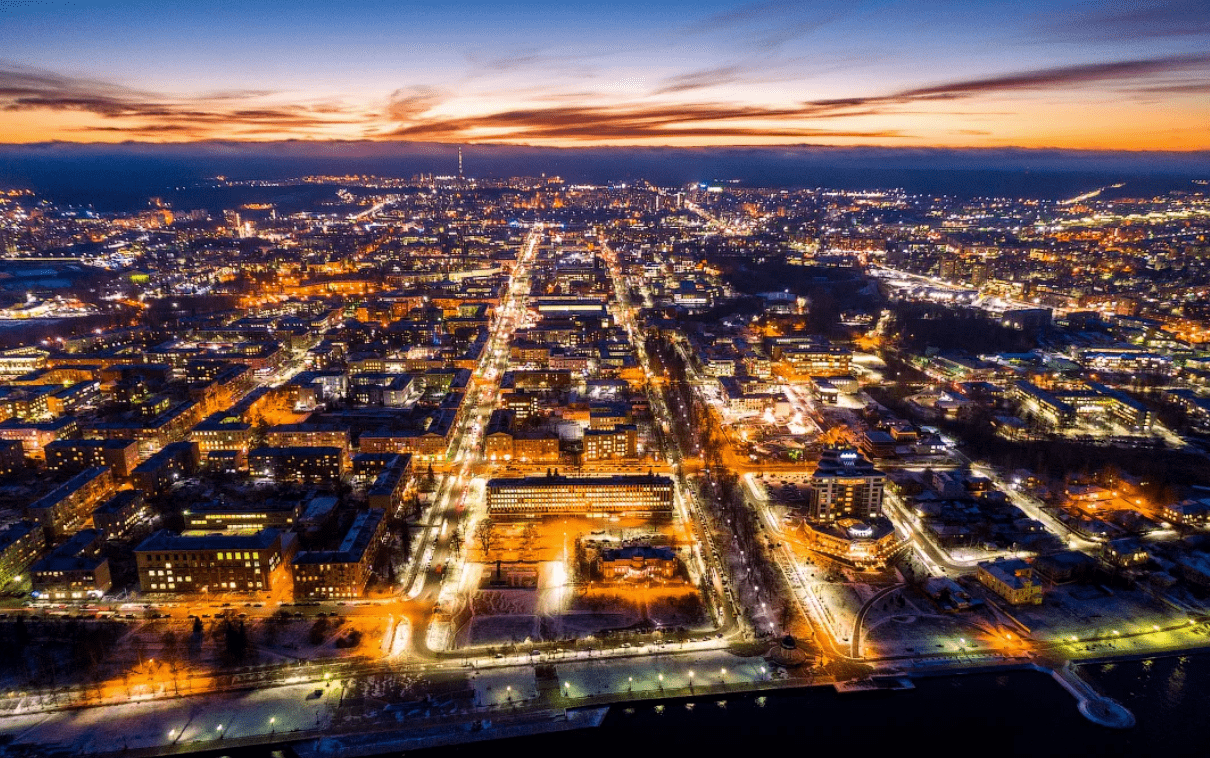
(642, 563)
(257, 562)
(389, 488)
(619, 443)
(65, 509)
(221, 433)
(344, 572)
(170, 464)
(221, 516)
(119, 514)
(75, 570)
(555, 495)
(297, 464)
(1188, 513)
(34, 436)
(20, 545)
(12, 457)
(1012, 579)
(121, 456)
(860, 543)
(1123, 553)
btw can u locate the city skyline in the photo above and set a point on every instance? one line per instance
(1068, 75)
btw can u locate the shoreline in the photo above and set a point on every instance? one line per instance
(548, 715)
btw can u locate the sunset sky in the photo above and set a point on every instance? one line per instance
(1098, 75)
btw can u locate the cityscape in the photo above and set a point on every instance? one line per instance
(504, 438)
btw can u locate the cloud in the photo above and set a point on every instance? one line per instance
(406, 105)
(769, 24)
(1135, 74)
(714, 120)
(703, 79)
(635, 122)
(1129, 22)
(583, 117)
(141, 112)
(1065, 76)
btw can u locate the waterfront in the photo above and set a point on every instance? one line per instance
(995, 714)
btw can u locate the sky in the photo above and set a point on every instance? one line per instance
(1072, 75)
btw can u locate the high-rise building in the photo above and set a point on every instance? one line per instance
(845, 485)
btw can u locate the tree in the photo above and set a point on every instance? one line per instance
(485, 534)
(429, 482)
(319, 631)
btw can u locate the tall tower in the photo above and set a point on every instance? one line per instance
(460, 163)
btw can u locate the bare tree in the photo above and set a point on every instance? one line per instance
(485, 533)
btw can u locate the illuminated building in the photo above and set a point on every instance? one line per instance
(20, 544)
(555, 495)
(620, 442)
(1126, 552)
(638, 563)
(845, 485)
(1063, 407)
(308, 435)
(121, 456)
(220, 516)
(12, 457)
(75, 570)
(1012, 579)
(344, 572)
(387, 491)
(257, 562)
(538, 446)
(1188, 513)
(170, 464)
(34, 436)
(860, 543)
(536, 380)
(811, 358)
(22, 360)
(297, 464)
(221, 434)
(120, 513)
(1126, 362)
(66, 508)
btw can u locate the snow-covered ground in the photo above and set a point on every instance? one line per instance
(642, 674)
(159, 723)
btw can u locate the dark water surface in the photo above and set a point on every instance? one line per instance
(1017, 713)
